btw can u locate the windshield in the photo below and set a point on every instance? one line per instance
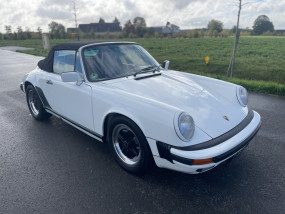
(115, 60)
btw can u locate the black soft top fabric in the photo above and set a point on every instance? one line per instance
(47, 63)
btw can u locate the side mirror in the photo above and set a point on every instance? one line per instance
(165, 64)
(71, 77)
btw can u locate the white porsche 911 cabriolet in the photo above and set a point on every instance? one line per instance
(117, 93)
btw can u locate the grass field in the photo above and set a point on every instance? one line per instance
(260, 61)
(258, 58)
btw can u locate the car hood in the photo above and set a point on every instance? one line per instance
(207, 109)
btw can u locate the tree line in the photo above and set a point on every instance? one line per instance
(138, 29)
(20, 33)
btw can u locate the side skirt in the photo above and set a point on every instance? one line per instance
(76, 125)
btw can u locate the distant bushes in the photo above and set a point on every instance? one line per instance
(149, 33)
(20, 36)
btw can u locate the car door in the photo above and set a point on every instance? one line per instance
(67, 99)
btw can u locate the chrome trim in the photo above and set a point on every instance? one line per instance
(239, 97)
(76, 125)
(177, 128)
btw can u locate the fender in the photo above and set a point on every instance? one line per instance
(31, 77)
(134, 107)
(225, 90)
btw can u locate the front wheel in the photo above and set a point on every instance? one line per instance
(128, 145)
(35, 105)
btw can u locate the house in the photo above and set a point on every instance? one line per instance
(171, 28)
(280, 31)
(168, 28)
(98, 28)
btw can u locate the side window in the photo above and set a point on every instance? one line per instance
(78, 67)
(63, 61)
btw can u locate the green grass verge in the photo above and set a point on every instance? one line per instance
(36, 52)
(260, 61)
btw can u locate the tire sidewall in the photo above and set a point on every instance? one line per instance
(145, 158)
(42, 113)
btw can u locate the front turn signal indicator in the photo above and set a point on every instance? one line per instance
(202, 161)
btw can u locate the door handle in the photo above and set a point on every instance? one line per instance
(49, 82)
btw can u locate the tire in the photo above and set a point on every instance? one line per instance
(35, 105)
(128, 145)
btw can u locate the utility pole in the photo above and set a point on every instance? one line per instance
(239, 4)
(232, 62)
(75, 19)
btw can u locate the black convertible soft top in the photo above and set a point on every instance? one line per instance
(47, 63)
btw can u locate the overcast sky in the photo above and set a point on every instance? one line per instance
(187, 14)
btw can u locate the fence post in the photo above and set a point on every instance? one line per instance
(45, 41)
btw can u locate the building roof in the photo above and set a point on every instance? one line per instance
(71, 29)
(169, 28)
(100, 27)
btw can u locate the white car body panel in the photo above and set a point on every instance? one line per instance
(71, 101)
(186, 95)
(146, 113)
(68, 99)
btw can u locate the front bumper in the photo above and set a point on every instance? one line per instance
(218, 150)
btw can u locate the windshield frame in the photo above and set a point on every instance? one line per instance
(83, 63)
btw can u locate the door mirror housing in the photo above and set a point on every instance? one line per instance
(165, 64)
(71, 77)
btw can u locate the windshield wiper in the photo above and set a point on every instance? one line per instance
(148, 69)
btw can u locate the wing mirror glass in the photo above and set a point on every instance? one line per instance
(165, 64)
(71, 77)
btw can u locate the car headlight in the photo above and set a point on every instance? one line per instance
(184, 126)
(242, 96)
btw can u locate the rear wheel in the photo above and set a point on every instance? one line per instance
(128, 145)
(35, 105)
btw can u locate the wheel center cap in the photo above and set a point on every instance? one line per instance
(125, 144)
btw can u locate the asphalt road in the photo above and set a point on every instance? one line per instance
(51, 167)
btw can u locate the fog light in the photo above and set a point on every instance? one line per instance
(202, 161)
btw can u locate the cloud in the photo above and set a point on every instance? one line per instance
(53, 13)
(180, 4)
(185, 13)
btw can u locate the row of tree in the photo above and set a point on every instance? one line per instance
(261, 25)
(20, 33)
(138, 28)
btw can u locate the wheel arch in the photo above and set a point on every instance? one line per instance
(27, 83)
(112, 115)
(39, 93)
